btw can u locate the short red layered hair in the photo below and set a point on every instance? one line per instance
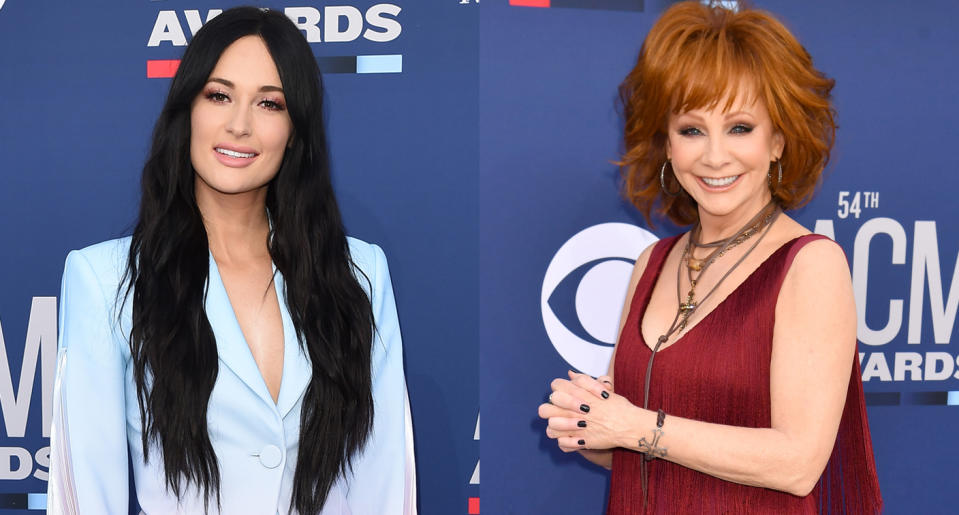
(697, 56)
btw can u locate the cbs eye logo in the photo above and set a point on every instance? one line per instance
(584, 289)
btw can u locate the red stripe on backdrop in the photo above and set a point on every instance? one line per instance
(162, 69)
(530, 3)
(474, 501)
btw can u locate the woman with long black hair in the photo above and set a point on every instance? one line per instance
(239, 353)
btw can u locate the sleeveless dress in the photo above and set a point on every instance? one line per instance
(719, 372)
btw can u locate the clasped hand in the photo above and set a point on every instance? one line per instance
(585, 413)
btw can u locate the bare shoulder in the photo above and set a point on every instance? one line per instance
(815, 258)
(638, 268)
(816, 307)
(818, 283)
(821, 255)
(641, 263)
(820, 260)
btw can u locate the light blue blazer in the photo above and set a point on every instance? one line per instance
(97, 421)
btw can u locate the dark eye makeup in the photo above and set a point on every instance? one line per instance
(216, 96)
(739, 128)
(272, 104)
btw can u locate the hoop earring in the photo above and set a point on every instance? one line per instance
(662, 181)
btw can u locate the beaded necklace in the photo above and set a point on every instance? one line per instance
(763, 221)
(755, 225)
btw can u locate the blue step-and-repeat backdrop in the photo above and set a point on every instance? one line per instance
(474, 144)
(81, 84)
(557, 242)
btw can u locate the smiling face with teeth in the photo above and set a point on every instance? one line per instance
(239, 124)
(721, 157)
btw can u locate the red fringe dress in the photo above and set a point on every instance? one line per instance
(719, 372)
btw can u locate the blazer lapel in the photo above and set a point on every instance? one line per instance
(230, 343)
(297, 370)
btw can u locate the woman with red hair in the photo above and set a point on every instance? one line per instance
(736, 385)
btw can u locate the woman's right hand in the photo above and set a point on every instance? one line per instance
(601, 457)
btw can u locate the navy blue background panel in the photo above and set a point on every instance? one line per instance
(556, 236)
(78, 109)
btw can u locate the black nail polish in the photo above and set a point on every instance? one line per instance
(581, 423)
(584, 408)
(582, 442)
(605, 394)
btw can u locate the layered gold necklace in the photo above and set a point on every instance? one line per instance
(762, 222)
(720, 248)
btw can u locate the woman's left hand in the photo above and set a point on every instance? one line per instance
(583, 413)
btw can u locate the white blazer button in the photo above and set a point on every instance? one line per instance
(270, 456)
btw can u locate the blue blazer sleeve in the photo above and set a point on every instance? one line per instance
(88, 447)
(384, 474)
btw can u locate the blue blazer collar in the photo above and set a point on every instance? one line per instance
(234, 351)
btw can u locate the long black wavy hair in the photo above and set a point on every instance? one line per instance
(171, 341)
